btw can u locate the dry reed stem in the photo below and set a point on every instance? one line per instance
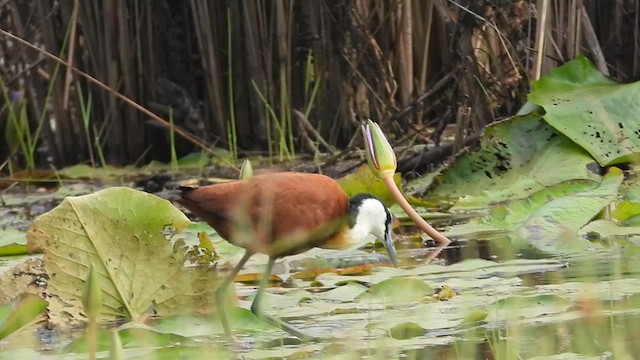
(123, 98)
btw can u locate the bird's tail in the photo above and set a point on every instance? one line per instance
(185, 190)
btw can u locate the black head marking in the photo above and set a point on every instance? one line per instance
(389, 222)
(354, 206)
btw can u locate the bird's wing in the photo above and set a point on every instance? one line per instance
(301, 211)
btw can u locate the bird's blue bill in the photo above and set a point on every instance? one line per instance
(390, 246)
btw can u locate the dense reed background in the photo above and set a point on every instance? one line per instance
(282, 76)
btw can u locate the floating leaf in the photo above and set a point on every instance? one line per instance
(592, 110)
(406, 330)
(200, 326)
(347, 292)
(506, 167)
(84, 171)
(475, 316)
(130, 338)
(555, 226)
(528, 307)
(606, 229)
(625, 210)
(398, 290)
(12, 242)
(119, 231)
(549, 219)
(197, 352)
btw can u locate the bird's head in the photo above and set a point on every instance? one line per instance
(368, 216)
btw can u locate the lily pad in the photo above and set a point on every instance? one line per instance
(606, 229)
(506, 167)
(398, 290)
(12, 242)
(527, 307)
(119, 231)
(406, 330)
(549, 219)
(131, 338)
(189, 325)
(593, 111)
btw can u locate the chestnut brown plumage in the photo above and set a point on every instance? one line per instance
(280, 214)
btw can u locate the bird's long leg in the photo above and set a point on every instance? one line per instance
(257, 310)
(220, 292)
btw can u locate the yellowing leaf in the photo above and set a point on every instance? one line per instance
(255, 278)
(119, 231)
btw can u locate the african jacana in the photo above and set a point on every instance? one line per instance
(280, 214)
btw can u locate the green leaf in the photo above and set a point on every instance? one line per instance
(507, 167)
(555, 226)
(198, 326)
(132, 337)
(406, 330)
(528, 307)
(606, 229)
(347, 292)
(12, 242)
(548, 219)
(83, 171)
(21, 313)
(365, 181)
(118, 231)
(629, 207)
(398, 290)
(476, 315)
(590, 109)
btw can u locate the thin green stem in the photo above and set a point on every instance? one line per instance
(172, 140)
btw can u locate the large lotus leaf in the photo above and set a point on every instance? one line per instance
(516, 157)
(119, 231)
(550, 218)
(593, 111)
